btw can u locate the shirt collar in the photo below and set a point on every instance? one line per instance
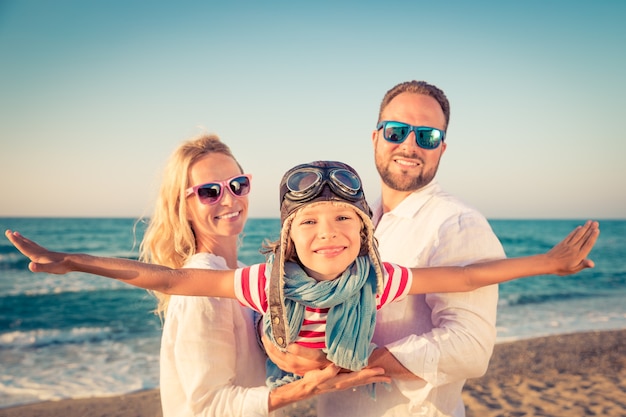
(410, 205)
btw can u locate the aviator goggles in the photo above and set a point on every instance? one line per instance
(212, 192)
(425, 137)
(307, 183)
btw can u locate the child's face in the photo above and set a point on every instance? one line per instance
(327, 239)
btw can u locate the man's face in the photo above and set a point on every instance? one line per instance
(405, 166)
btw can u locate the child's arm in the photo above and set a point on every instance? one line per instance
(212, 283)
(566, 258)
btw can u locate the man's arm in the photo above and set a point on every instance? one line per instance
(567, 257)
(382, 358)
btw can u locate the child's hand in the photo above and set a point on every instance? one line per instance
(297, 360)
(42, 259)
(570, 255)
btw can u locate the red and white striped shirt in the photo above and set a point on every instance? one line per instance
(251, 289)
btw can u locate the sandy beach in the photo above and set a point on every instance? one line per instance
(582, 374)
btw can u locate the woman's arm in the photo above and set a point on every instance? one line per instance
(566, 258)
(198, 282)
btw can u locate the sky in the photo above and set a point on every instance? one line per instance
(94, 97)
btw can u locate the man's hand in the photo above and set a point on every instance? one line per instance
(300, 360)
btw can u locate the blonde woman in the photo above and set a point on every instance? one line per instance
(211, 363)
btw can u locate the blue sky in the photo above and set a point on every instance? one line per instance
(94, 96)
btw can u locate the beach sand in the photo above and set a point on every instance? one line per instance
(581, 374)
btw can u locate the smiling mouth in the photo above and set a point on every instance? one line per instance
(228, 216)
(407, 163)
(330, 251)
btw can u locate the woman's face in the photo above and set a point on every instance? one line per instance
(225, 218)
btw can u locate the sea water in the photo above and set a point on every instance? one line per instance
(77, 335)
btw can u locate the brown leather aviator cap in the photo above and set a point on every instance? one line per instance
(302, 185)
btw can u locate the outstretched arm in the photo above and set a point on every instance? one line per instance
(566, 258)
(212, 283)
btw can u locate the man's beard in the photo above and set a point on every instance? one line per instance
(403, 182)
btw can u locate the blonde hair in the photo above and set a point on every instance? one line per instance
(169, 239)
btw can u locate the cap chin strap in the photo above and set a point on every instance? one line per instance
(277, 308)
(278, 316)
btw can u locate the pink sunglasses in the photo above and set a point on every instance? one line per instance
(212, 192)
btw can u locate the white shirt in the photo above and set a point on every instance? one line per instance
(211, 364)
(442, 338)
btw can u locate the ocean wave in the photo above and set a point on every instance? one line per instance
(15, 261)
(45, 337)
(25, 283)
(7, 249)
(77, 370)
(517, 299)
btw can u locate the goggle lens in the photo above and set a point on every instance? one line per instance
(347, 180)
(425, 137)
(302, 181)
(307, 183)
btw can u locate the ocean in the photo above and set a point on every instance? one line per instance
(77, 335)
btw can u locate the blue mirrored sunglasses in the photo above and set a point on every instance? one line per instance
(425, 137)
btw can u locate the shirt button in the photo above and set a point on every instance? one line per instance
(276, 320)
(280, 340)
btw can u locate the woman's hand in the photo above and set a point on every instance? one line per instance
(322, 381)
(332, 378)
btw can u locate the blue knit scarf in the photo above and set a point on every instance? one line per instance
(351, 299)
